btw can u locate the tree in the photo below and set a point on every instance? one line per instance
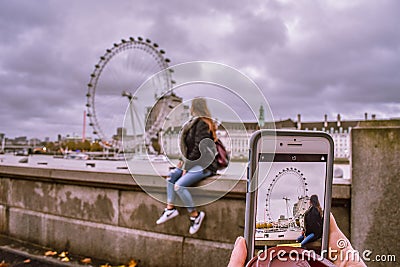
(96, 147)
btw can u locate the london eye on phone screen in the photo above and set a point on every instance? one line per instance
(287, 181)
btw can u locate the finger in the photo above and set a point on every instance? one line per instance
(332, 224)
(343, 264)
(336, 236)
(239, 253)
(334, 233)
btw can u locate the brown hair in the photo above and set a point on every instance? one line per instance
(199, 108)
(315, 202)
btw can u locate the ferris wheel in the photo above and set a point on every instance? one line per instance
(113, 82)
(292, 174)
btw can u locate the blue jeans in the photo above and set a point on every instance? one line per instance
(306, 239)
(177, 185)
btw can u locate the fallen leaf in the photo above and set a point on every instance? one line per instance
(132, 263)
(86, 260)
(27, 261)
(50, 253)
(63, 254)
(65, 259)
(3, 264)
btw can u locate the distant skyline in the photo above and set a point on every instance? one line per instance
(93, 137)
(307, 57)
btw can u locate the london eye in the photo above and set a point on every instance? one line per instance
(290, 175)
(113, 82)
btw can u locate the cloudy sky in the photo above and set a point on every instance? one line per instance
(308, 57)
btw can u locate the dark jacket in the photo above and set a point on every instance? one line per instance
(192, 134)
(313, 223)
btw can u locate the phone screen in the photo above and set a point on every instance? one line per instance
(288, 183)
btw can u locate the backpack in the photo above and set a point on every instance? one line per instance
(222, 156)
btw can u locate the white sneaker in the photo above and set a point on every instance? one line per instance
(195, 222)
(167, 215)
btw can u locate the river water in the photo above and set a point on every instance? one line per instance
(237, 169)
(120, 166)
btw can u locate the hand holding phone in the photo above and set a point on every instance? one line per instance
(289, 190)
(239, 252)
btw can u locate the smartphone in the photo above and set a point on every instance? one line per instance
(287, 171)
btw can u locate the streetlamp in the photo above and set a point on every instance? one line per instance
(130, 98)
(287, 205)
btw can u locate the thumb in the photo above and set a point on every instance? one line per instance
(239, 253)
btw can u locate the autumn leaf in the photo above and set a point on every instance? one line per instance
(63, 254)
(50, 253)
(27, 261)
(86, 260)
(3, 264)
(65, 259)
(132, 263)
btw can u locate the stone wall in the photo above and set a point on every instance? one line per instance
(375, 223)
(108, 216)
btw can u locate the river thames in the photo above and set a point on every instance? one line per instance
(120, 166)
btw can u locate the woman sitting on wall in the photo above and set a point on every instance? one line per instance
(198, 148)
(312, 222)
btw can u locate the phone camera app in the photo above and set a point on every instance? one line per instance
(289, 204)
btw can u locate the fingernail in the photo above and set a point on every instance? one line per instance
(237, 240)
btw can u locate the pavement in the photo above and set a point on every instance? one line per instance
(15, 253)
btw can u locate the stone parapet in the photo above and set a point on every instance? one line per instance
(376, 190)
(108, 216)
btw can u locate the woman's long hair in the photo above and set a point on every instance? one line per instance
(200, 109)
(315, 203)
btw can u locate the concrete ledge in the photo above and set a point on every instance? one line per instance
(108, 216)
(376, 190)
(219, 183)
(86, 238)
(341, 191)
(4, 183)
(79, 202)
(115, 179)
(3, 219)
(193, 248)
(132, 209)
(224, 219)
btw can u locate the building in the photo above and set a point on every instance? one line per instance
(2, 142)
(166, 115)
(339, 130)
(20, 140)
(35, 142)
(236, 135)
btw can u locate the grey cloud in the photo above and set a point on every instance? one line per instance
(336, 59)
(350, 57)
